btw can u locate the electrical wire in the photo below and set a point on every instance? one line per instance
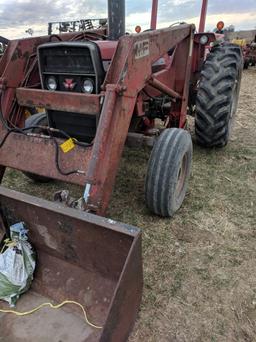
(51, 136)
(58, 306)
(64, 173)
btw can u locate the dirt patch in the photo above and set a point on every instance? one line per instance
(200, 266)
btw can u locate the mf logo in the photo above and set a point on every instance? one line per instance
(141, 48)
(69, 84)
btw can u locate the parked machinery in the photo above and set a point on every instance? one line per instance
(250, 54)
(248, 49)
(76, 25)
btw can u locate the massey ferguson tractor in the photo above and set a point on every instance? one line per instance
(98, 88)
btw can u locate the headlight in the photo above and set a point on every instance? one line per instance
(51, 83)
(88, 86)
(203, 40)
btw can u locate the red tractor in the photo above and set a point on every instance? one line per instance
(99, 86)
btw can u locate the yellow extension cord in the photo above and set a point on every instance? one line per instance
(58, 306)
(9, 243)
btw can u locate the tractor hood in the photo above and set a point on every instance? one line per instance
(107, 48)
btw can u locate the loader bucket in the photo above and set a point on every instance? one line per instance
(80, 257)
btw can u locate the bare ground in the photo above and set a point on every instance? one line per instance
(200, 266)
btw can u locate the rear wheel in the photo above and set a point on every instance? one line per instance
(39, 119)
(217, 96)
(168, 172)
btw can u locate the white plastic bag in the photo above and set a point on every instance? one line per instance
(17, 264)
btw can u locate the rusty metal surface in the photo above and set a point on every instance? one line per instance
(37, 155)
(107, 148)
(130, 70)
(128, 293)
(140, 140)
(17, 56)
(107, 48)
(163, 88)
(63, 101)
(81, 257)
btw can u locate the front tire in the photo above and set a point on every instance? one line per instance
(217, 95)
(168, 172)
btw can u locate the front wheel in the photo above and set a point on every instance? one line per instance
(168, 172)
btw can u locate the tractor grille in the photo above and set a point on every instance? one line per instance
(68, 60)
(71, 63)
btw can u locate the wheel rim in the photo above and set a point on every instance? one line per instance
(182, 175)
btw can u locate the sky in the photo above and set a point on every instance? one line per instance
(16, 16)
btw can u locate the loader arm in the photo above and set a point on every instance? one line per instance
(130, 71)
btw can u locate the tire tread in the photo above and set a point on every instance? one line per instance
(219, 74)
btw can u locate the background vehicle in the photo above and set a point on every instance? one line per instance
(250, 54)
(76, 25)
(3, 45)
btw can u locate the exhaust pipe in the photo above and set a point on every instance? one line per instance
(203, 16)
(116, 19)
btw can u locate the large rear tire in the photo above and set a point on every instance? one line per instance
(218, 94)
(39, 119)
(168, 172)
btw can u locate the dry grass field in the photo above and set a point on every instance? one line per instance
(200, 266)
